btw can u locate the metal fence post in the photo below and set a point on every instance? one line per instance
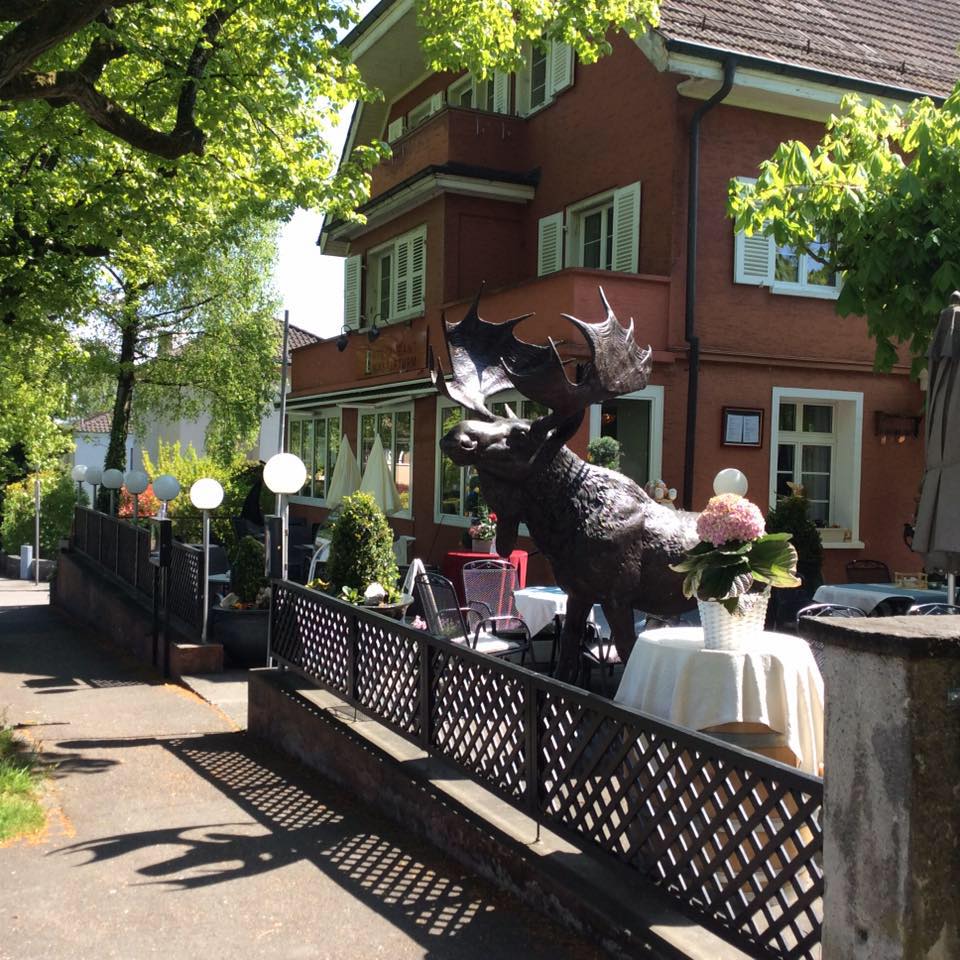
(116, 546)
(530, 748)
(426, 669)
(352, 658)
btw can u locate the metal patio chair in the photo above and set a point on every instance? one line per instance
(816, 610)
(467, 625)
(933, 609)
(598, 651)
(868, 571)
(488, 587)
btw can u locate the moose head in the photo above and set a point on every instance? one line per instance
(487, 358)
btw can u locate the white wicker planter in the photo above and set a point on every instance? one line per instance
(727, 631)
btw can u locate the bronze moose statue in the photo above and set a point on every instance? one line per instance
(606, 539)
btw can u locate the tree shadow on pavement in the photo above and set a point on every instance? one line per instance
(298, 816)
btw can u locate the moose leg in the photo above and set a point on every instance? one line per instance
(574, 624)
(622, 629)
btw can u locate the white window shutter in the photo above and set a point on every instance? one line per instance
(501, 92)
(418, 261)
(752, 259)
(436, 102)
(550, 244)
(395, 130)
(560, 67)
(401, 285)
(352, 271)
(626, 228)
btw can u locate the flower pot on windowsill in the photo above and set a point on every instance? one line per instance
(483, 546)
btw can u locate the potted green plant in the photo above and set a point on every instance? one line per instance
(731, 569)
(240, 620)
(792, 515)
(483, 531)
(362, 567)
(604, 452)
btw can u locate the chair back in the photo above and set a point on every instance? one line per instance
(491, 582)
(817, 610)
(892, 607)
(441, 608)
(933, 609)
(868, 571)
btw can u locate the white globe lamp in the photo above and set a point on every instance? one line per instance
(92, 477)
(730, 480)
(136, 481)
(78, 475)
(284, 474)
(112, 480)
(206, 494)
(166, 487)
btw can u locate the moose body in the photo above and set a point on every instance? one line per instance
(607, 540)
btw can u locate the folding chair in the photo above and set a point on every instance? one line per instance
(933, 609)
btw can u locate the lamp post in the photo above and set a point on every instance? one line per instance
(730, 480)
(79, 474)
(284, 474)
(136, 481)
(112, 480)
(206, 495)
(93, 477)
(166, 488)
(36, 532)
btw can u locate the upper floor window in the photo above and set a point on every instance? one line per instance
(602, 233)
(547, 70)
(395, 281)
(492, 94)
(759, 260)
(316, 441)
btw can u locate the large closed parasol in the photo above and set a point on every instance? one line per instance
(937, 530)
(378, 479)
(345, 478)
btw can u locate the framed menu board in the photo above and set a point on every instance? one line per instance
(742, 427)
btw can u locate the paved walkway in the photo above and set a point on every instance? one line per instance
(171, 833)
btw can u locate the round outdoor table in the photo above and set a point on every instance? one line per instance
(773, 682)
(867, 595)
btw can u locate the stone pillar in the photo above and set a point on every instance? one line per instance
(891, 844)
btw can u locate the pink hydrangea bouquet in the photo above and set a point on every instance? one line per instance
(735, 554)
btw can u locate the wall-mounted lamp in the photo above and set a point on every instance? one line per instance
(343, 339)
(899, 426)
(373, 332)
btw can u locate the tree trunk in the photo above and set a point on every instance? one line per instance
(120, 426)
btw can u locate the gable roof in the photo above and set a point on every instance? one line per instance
(98, 423)
(299, 337)
(904, 44)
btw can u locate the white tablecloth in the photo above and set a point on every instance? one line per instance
(774, 680)
(539, 605)
(867, 595)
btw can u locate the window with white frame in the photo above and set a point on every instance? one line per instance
(547, 70)
(602, 233)
(395, 427)
(492, 94)
(395, 281)
(316, 441)
(816, 442)
(635, 421)
(761, 261)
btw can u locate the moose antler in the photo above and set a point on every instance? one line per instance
(487, 358)
(616, 366)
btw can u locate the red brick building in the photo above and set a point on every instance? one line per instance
(546, 184)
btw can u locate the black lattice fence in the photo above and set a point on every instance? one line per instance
(185, 590)
(735, 838)
(145, 569)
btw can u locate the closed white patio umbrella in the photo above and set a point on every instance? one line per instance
(378, 480)
(937, 530)
(345, 478)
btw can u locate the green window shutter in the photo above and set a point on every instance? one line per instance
(560, 67)
(626, 228)
(352, 272)
(401, 286)
(550, 244)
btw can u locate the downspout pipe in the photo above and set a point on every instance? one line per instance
(690, 298)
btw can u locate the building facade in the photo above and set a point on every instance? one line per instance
(543, 186)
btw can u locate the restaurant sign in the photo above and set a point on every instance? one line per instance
(394, 351)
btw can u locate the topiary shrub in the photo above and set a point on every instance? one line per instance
(792, 515)
(246, 570)
(604, 452)
(361, 547)
(58, 496)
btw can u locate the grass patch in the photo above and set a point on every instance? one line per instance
(20, 810)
